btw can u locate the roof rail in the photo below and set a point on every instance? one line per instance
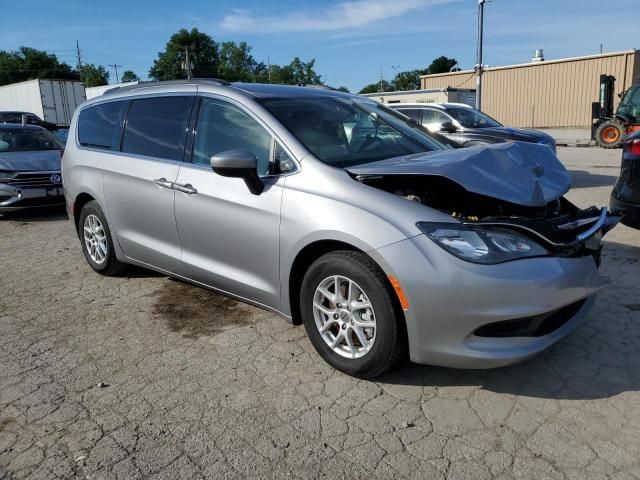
(126, 88)
(319, 86)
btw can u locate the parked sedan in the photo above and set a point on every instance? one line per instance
(29, 168)
(339, 213)
(625, 197)
(467, 126)
(30, 118)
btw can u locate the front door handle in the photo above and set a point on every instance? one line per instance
(188, 188)
(163, 182)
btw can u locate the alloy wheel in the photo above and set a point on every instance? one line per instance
(95, 239)
(344, 316)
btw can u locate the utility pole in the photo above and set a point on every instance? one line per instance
(269, 68)
(79, 59)
(479, 63)
(115, 66)
(187, 62)
(381, 87)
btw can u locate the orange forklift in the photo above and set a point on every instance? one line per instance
(609, 127)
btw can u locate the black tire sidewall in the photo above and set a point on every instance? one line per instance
(374, 285)
(111, 261)
(607, 124)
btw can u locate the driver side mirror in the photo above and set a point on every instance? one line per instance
(239, 164)
(448, 127)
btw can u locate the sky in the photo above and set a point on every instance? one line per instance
(352, 41)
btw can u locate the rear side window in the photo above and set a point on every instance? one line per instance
(101, 126)
(157, 127)
(414, 113)
(10, 117)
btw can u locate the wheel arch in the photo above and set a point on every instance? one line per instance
(80, 201)
(309, 254)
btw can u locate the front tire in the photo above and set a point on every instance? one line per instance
(351, 315)
(610, 134)
(95, 237)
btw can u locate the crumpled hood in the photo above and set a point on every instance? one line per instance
(34, 161)
(522, 173)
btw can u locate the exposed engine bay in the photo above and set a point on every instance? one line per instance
(564, 228)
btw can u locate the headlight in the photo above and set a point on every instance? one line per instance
(479, 244)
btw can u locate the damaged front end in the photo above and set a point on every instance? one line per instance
(513, 188)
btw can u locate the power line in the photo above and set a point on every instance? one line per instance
(479, 65)
(79, 59)
(115, 66)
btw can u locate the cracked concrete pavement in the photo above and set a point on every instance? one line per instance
(145, 377)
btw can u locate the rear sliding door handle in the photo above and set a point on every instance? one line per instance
(163, 182)
(188, 188)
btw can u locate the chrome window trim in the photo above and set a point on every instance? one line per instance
(150, 94)
(127, 98)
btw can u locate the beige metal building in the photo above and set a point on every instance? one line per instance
(547, 93)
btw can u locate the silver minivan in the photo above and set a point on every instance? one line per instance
(339, 213)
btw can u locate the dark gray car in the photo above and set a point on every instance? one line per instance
(467, 126)
(30, 118)
(29, 168)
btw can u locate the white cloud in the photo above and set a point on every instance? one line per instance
(345, 15)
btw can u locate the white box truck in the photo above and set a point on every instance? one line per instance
(52, 100)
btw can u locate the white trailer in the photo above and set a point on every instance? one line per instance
(432, 95)
(52, 100)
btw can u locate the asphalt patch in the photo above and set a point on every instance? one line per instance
(196, 312)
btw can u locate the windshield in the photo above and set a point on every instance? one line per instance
(630, 104)
(26, 140)
(347, 131)
(472, 118)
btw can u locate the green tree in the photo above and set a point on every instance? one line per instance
(302, 73)
(203, 53)
(343, 89)
(236, 62)
(409, 80)
(129, 76)
(28, 63)
(441, 64)
(375, 87)
(296, 73)
(93, 76)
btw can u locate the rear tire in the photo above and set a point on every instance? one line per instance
(610, 134)
(95, 238)
(362, 352)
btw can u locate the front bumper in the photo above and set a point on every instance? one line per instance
(450, 299)
(630, 212)
(19, 197)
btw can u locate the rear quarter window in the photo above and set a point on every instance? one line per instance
(100, 126)
(157, 127)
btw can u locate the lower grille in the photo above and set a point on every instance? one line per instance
(536, 326)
